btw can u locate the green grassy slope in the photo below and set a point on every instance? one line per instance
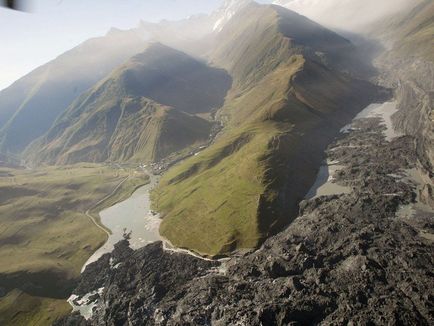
(210, 201)
(45, 237)
(17, 308)
(30, 105)
(284, 107)
(127, 115)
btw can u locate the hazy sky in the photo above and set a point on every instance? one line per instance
(51, 27)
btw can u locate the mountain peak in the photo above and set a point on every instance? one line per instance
(227, 11)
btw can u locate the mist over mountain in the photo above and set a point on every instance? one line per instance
(30, 105)
(142, 111)
(349, 15)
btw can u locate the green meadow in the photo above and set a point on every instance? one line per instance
(46, 237)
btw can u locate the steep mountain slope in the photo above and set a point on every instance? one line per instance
(30, 105)
(143, 111)
(409, 34)
(408, 65)
(290, 95)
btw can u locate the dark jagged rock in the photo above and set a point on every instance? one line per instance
(347, 259)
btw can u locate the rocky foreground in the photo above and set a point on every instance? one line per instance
(360, 258)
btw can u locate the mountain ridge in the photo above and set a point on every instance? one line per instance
(157, 91)
(30, 105)
(33, 102)
(269, 112)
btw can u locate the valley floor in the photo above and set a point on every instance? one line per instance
(49, 226)
(357, 257)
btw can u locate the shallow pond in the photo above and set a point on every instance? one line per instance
(324, 184)
(133, 215)
(384, 111)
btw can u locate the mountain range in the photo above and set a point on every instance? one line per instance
(144, 110)
(289, 91)
(237, 111)
(362, 257)
(275, 80)
(30, 105)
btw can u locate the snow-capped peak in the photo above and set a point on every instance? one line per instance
(227, 11)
